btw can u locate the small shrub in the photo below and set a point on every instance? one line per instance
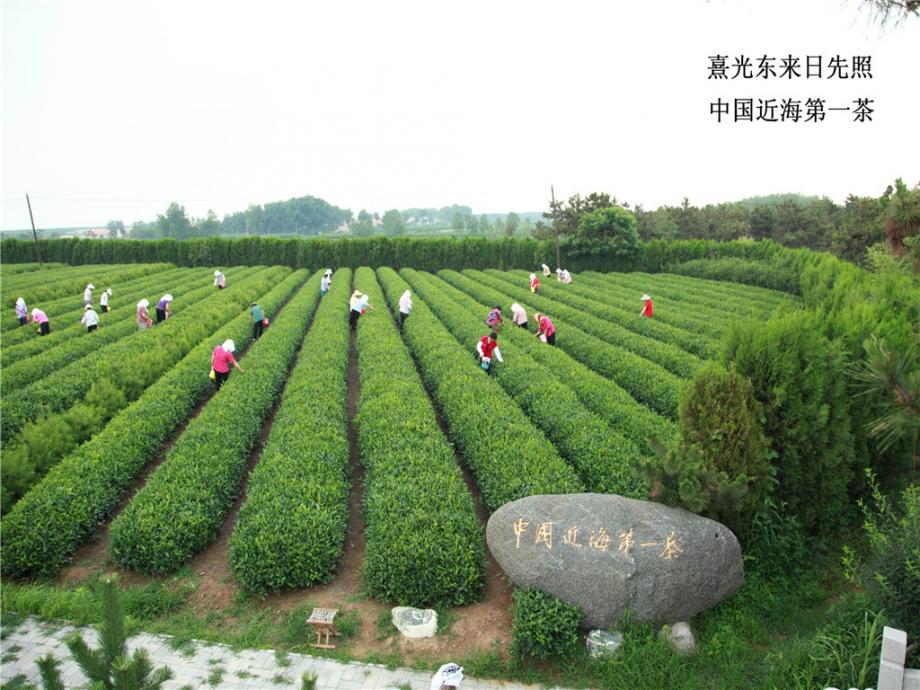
(543, 627)
(890, 572)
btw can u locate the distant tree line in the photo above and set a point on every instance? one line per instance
(796, 221)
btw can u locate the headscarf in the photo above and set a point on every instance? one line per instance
(516, 308)
(533, 276)
(228, 346)
(167, 297)
(216, 273)
(645, 297)
(20, 303)
(143, 304)
(448, 674)
(405, 302)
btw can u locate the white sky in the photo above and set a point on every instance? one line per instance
(112, 110)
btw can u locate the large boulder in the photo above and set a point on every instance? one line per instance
(606, 554)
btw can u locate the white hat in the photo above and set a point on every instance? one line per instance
(533, 275)
(144, 303)
(168, 297)
(21, 301)
(558, 270)
(645, 296)
(35, 312)
(87, 307)
(216, 272)
(108, 291)
(91, 286)
(228, 346)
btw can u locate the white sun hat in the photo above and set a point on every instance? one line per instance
(168, 297)
(645, 297)
(216, 272)
(228, 346)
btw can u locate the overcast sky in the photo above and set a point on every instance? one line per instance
(112, 110)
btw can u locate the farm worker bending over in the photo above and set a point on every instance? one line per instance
(104, 300)
(143, 316)
(546, 331)
(22, 311)
(219, 281)
(358, 304)
(518, 316)
(90, 319)
(221, 359)
(405, 306)
(41, 318)
(647, 309)
(565, 277)
(534, 283)
(486, 349)
(325, 283)
(494, 319)
(259, 320)
(163, 307)
(545, 270)
(88, 293)
(448, 677)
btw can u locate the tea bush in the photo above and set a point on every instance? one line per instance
(544, 627)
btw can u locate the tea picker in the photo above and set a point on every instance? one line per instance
(486, 350)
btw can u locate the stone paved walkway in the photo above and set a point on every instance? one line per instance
(214, 666)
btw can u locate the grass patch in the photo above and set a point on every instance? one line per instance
(385, 627)
(283, 659)
(216, 676)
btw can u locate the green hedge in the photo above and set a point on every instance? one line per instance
(45, 528)
(133, 362)
(66, 347)
(72, 281)
(291, 528)
(102, 385)
(602, 396)
(424, 541)
(185, 501)
(509, 457)
(603, 458)
(544, 627)
(646, 381)
(429, 254)
(676, 349)
(747, 271)
(19, 342)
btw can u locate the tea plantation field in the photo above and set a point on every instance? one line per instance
(89, 419)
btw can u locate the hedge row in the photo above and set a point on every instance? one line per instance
(646, 381)
(73, 281)
(45, 528)
(430, 254)
(509, 457)
(670, 357)
(133, 362)
(600, 395)
(626, 322)
(673, 307)
(66, 318)
(735, 270)
(424, 541)
(69, 346)
(181, 508)
(602, 457)
(8, 270)
(42, 443)
(292, 526)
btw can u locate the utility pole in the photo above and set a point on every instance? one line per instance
(552, 195)
(38, 251)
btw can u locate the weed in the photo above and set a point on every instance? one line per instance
(283, 659)
(216, 676)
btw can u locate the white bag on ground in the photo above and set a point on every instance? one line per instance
(449, 675)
